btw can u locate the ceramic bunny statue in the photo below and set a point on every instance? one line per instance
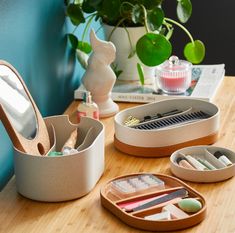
(99, 77)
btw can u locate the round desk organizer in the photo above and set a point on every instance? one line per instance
(222, 172)
(61, 178)
(195, 123)
(113, 201)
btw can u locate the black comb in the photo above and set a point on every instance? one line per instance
(179, 193)
(172, 121)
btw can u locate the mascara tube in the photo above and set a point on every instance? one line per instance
(222, 158)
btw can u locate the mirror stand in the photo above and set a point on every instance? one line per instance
(39, 144)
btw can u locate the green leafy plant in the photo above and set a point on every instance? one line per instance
(154, 47)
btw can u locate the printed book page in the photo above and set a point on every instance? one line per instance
(205, 82)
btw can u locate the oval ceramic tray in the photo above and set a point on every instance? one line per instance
(162, 141)
(206, 153)
(113, 202)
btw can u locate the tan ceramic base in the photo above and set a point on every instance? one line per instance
(162, 151)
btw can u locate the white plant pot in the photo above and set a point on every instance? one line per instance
(123, 49)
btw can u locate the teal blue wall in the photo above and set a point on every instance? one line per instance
(32, 39)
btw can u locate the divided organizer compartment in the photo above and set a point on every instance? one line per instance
(222, 172)
(66, 177)
(137, 217)
(195, 122)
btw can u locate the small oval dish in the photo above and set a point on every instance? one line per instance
(160, 128)
(213, 164)
(152, 202)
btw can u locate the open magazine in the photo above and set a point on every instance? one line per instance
(205, 82)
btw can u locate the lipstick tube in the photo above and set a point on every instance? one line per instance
(196, 164)
(184, 163)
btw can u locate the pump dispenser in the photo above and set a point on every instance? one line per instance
(87, 108)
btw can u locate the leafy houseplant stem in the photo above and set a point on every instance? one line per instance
(181, 26)
(145, 18)
(87, 26)
(118, 24)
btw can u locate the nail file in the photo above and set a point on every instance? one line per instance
(179, 193)
(129, 206)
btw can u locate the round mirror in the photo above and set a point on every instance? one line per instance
(16, 103)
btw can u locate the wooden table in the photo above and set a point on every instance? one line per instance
(19, 214)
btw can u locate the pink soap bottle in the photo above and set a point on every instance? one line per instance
(87, 108)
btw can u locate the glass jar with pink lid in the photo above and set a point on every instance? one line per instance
(174, 75)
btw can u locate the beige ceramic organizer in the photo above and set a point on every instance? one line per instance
(39, 176)
(204, 152)
(136, 219)
(164, 141)
(67, 177)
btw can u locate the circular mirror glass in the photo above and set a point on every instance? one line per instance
(16, 103)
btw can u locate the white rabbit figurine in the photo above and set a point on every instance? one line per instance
(99, 77)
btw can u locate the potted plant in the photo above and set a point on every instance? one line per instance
(152, 46)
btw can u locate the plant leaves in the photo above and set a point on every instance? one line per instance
(169, 33)
(132, 53)
(75, 14)
(87, 8)
(140, 73)
(162, 31)
(153, 49)
(66, 2)
(95, 3)
(110, 9)
(194, 52)
(78, 1)
(184, 10)
(84, 47)
(137, 14)
(82, 58)
(126, 10)
(116, 70)
(155, 18)
(73, 40)
(90, 6)
(150, 4)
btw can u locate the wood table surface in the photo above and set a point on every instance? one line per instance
(19, 214)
